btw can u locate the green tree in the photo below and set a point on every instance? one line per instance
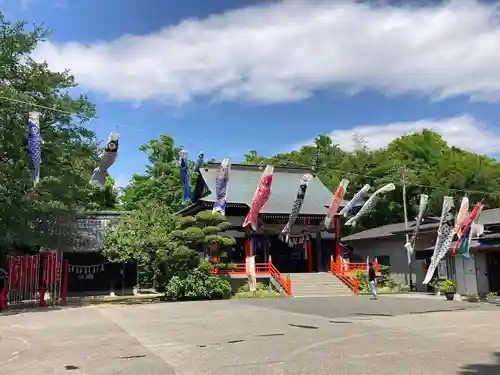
(69, 155)
(186, 276)
(201, 233)
(166, 249)
(139, 235)
(105, 199)
(421, 160)
(161, 181)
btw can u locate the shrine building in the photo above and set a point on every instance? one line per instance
(313, 245)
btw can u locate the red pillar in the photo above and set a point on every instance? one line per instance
(247, 241)
(337, 239)
(42, 295)
(309, 256)
(3, 298)
(65, 283)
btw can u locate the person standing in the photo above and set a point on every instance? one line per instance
(372, 280)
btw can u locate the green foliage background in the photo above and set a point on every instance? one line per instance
(30, 216)
(167, 247)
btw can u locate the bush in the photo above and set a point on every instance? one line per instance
(262, 291)
(197, 285)
(404, 288)
(385, 283)
(434, 284)
(362, 282)
(492, 296)
(448, 286)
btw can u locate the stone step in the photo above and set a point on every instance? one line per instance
(318, 284)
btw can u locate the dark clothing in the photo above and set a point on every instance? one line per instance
(371, 274)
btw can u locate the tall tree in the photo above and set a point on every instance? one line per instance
(161, 180)
(423, 160)
(69, 153)
(105, 199)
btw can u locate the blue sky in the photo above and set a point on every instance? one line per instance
(228, 76)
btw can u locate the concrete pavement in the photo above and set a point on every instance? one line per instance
(339, 335)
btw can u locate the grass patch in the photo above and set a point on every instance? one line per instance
(258, 294)
(263, 291)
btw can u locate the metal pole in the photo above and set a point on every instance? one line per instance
(337, 239)
(123, 278)
(405, 210)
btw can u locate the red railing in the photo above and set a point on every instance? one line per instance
(240, 269)
(341, 269)
(267, 268)
(31, 278)
(347, 267)
(286, 284)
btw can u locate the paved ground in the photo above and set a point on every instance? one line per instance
(313, 336)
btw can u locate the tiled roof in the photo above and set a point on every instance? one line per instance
(379, 232)
(244, 179)
(487, 217)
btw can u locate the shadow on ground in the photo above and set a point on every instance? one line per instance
(482, 368)
(29, 309)
(22, 309)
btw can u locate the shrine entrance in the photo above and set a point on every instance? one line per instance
(288, 259)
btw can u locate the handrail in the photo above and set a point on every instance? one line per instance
(267, 268)
(240, 269)
(339, 271)
(286, 284)
(344, 267)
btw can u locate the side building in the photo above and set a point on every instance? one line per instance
(89, 271)
(480, 274)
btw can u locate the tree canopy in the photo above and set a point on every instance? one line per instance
(423, 160)
(69, 152)
(160, 182)
(166, 247)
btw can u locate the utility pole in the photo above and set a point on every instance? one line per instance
(405, 210)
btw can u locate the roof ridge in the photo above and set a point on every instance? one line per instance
(256, 167)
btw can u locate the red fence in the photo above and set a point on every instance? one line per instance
(260, 269)
(35, 280)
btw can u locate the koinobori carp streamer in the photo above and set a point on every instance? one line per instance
(106, 160)
(260, 197)
(446, 231)
(336, 202)
(221, 185)
(297, 205)
(371, 203)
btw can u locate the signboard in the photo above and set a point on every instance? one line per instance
(252, 277)
(90, 231)
(442, 270)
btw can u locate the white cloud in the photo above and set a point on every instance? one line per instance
(284, 51)
(463, 131)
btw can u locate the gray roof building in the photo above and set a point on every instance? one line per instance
(244, 179)
(487, 218)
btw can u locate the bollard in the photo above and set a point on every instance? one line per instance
(3, 299)
(356, 285)
(65, 283)
(42, 296)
